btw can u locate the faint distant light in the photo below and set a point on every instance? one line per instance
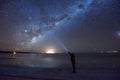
(26, 30)
(118, 33)
(50, 51)
(114, 51)
(14, 52)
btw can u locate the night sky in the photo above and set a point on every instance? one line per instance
(79, 25)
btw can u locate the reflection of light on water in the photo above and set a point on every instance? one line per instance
(35, 60)
(48, 59)
(50, 62)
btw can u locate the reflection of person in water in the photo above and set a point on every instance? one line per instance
(72, 61)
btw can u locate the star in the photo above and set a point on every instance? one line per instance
(118, 34)
(30, 18)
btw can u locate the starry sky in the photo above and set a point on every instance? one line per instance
(78, 25)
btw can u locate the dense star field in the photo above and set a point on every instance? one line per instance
(81, 25)
(59, 39)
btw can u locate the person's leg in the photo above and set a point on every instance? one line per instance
(74, 68)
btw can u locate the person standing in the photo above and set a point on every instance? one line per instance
(72, 56)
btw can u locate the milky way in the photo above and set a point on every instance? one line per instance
(32, 19)
(51, 14)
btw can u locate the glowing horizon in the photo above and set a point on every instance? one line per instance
(50, 51)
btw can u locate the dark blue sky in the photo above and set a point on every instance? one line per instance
(79, 25)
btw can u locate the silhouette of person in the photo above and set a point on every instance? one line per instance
(72, 61)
